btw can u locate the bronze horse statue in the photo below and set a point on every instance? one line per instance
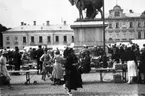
(92, 7)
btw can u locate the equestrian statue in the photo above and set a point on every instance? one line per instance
(91, 6)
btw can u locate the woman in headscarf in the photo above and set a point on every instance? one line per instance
(72, 76)
(57, 73)
(4, 74)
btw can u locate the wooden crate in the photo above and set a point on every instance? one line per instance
(117, 78)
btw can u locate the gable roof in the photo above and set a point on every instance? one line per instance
(41, 27)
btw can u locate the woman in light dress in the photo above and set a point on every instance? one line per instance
(131, 64)
(57, 73)
(3, 69)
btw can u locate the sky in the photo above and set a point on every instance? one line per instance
(13, 12)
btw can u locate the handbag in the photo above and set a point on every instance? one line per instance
(80, 69)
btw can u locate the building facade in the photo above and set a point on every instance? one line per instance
(34, 35)
(122, 27)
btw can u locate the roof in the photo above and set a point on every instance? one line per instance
(41, 27)
(117, 7)
(133, 14)
(143, 14)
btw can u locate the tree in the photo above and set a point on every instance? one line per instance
(2, 28)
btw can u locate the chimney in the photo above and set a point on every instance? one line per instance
(22, 23)
(130, 11)
(47, 23)
(34, 23)
(64, 22)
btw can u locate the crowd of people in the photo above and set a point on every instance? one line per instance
(61, 69)
(67, 68)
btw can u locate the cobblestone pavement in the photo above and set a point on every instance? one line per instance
(91, 87)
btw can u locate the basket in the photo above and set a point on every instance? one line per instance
(117, 78)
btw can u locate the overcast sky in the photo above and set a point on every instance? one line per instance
(13, 12)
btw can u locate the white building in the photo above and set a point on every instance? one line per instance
(34, 35)
(122, 27)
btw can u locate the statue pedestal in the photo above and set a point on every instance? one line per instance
(89, 33)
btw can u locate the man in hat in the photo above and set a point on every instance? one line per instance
(17, 58)
(39, 53)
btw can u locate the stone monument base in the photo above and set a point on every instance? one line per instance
(89, 33)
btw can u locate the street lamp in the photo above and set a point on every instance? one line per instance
(103, 28)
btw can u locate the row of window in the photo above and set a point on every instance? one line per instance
(139, 25)
(65, 39)
(139, 36)
(123, 39)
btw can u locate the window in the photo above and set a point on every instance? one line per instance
(56, 38)
(139, 24)
(16, 38)
(32, 39)
(117, 25)
(124, 39)
(16, 43)
(65, 38)
(130, 39)
(144, 34)
(24, 39)
(48, 39)
(117, 14)
(124, 33)
(117, 35)
(117, 39)
(7, 43)
(40, 39)
(110, 39)
(110, 25)
(7, 38)
(72, 38)
(139, 35)
(110, 31)
(131, 25)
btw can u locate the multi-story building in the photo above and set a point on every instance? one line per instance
(123, 27)
(33, 35)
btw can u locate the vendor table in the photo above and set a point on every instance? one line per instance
(27, 72)
(107, 70)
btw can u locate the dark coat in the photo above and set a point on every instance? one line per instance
(130, 55)
(39, 53)
(73, 77)
(142, 63)
(17, 60)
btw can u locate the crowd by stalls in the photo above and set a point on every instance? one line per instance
(131, 55)
(69, 64)
(60, 68)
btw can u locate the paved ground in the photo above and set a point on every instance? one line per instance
(91, 87)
